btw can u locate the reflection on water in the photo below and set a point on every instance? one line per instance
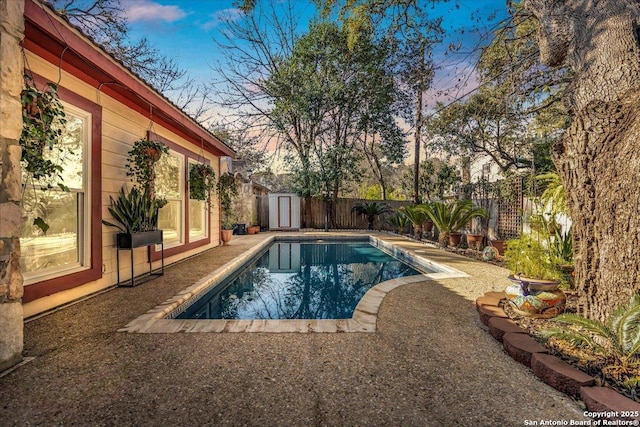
(294, 280)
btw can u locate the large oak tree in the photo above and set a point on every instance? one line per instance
(599, 155)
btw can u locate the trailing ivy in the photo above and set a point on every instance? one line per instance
(141, 164)
(227, 189)
(202, 182)
(43, 120)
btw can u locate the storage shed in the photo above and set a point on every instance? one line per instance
(284, 211)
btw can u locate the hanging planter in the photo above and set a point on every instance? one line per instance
(141, 163)
(202, 182)
(43, 120)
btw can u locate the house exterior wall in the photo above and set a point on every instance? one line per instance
(120, 127)
(11, 314)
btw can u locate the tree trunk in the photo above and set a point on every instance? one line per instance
(599, 156)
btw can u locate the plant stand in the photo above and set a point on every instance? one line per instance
(130, 242)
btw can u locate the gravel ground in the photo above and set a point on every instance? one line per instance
(431, 363)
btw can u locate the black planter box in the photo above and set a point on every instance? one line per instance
(136, 240)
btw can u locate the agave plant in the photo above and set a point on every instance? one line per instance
(452, 216)
(135, 212)
(371, 210)
(616, 342)
(398, 221)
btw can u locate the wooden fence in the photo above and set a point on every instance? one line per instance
(313, 213)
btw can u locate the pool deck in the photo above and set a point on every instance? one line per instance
(430, 362)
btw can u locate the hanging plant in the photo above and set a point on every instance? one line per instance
(202, 182)
(141, 164)
(43, 120)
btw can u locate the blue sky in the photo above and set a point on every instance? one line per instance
(184, 29)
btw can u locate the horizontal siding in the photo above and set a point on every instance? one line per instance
(121, 126)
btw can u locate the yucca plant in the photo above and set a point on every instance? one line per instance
(134, 211)
(371, 210)
(452, 216)
(398, 221)
(616, 342)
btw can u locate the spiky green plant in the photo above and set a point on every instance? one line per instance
(554, 195)
(616, 342)
(398, 221)
(417, 215)
(134, 211)
(452, 216)
(371, 210)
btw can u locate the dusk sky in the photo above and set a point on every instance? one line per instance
(184, 29)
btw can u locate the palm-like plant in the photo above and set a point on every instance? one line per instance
(398, 221)
(370, 210)
(452, 216)
(554, 195)
(616, 342)
(417, 215)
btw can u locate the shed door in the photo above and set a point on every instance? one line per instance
(284, 211)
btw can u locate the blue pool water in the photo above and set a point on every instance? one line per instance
(300, 280)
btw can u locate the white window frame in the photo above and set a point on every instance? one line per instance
(181, 213)
(205, 215)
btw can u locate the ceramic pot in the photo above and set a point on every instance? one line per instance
(535, 298)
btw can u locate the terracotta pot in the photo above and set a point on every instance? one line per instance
(226, 236)
(499, 245)
(454, 239)
(475, 241)
(254, 229)
(427, 226)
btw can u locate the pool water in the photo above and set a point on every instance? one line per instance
(300, 280)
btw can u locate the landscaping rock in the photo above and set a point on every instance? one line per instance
(498, 326)
(603, 399)
(521, 346)
(560, 375)
(488, 301)
(487, 312)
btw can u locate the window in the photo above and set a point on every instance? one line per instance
(65, 246)
(198, 217)
(170, 186)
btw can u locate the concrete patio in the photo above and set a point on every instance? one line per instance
(429, 363)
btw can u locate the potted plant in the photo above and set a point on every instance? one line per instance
(371, 210)
(450, 217)
(141, 164)
(136, 216)
(534, 291)
(227, 189)
(417, 215)
(202, 182)
(398, 221)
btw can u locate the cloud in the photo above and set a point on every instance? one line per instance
(224, 15)
(146, 10)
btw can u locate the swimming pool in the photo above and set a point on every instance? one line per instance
(164, 317)
(301, 280)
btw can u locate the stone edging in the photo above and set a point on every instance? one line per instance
(550, 369)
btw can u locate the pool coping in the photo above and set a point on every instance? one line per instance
(364, 319)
